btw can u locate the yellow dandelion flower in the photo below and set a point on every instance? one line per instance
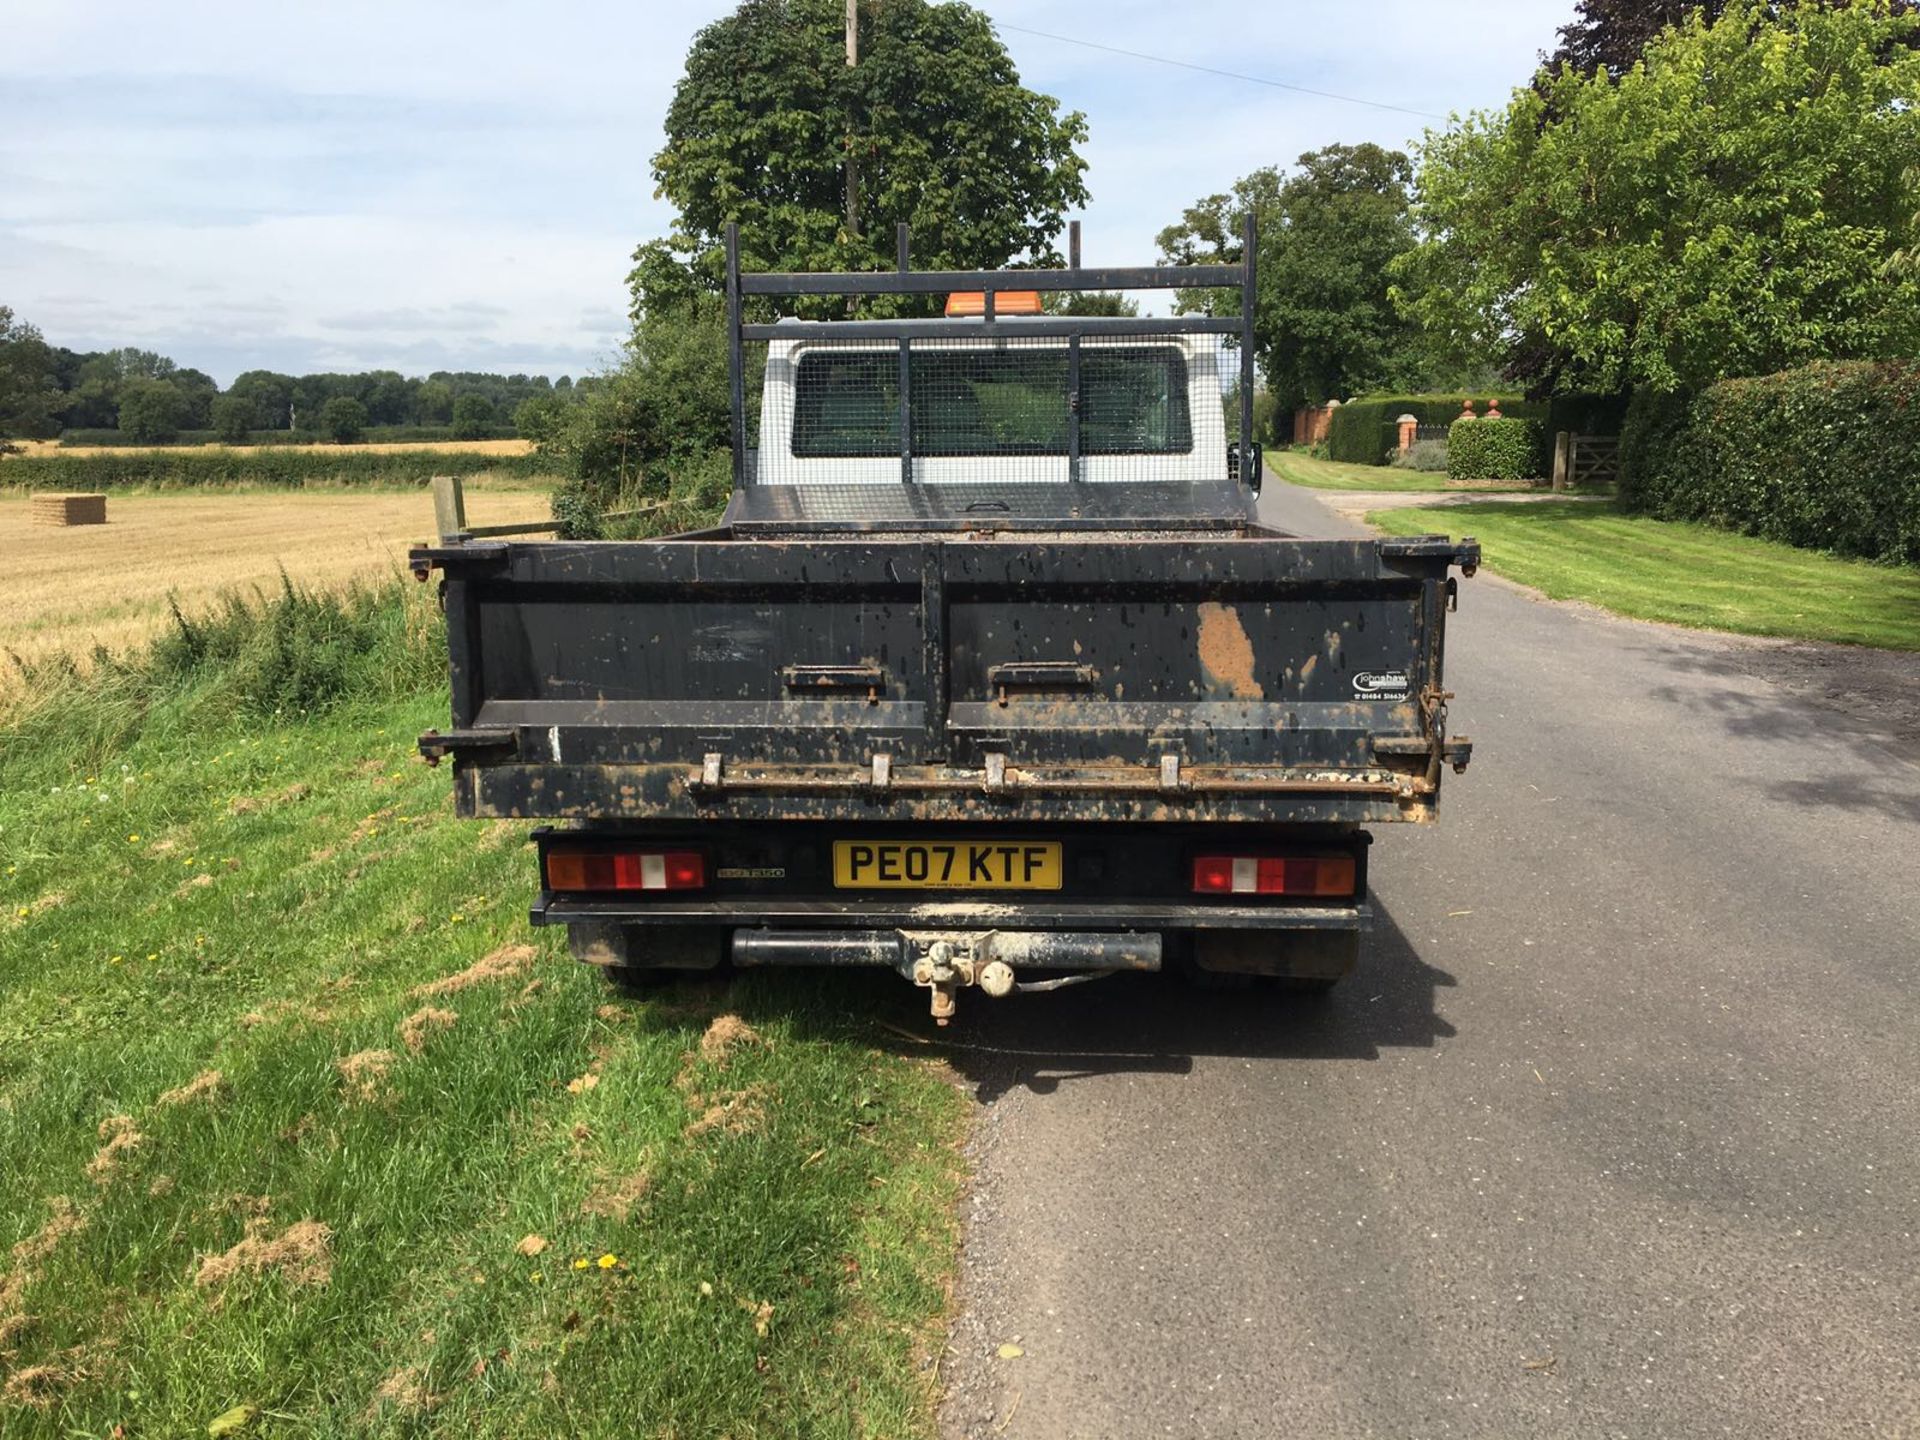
(22, 912)
(535, 1278)
(455, 918)
(607, 1262)
(152, 955)
(581, 1263)
(133, 839)
(115, 960)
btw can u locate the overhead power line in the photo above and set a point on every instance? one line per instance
(1224, 74)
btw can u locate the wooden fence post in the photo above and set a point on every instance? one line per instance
(1563, 460)
(449, 506)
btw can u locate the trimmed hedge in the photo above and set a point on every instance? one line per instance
(1503, 449)
(1367, 431)
(373, 435)
(1826, 457)
(185, 469)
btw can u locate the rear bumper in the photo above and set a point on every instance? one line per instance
(836, 913)
(899, 949)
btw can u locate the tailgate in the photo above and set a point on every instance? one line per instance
(1246, 677)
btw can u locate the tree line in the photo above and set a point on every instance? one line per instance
(1681, 192)
(1678, 193)
(46, 390)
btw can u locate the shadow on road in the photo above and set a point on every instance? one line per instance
(1789, 693)
(1127, 1024)
(1802, 691)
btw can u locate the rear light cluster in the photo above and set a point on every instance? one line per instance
(1273, 875)
(579, 869)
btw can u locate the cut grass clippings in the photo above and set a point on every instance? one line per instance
(1681, 573)
(1298, 469)
(213, 1200)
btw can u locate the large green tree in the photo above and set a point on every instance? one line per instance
(933, 118)
(1609, 35)
(29, 388)
(1727, 206)
(1324, 325)
(151, 411)
(269, 395)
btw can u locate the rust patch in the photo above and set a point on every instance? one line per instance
(1225, 652)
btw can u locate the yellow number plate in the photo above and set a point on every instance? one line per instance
(946, 865)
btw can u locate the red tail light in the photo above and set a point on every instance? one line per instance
(572, 869)
(1273, 875)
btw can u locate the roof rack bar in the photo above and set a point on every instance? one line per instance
(1249, 297)
(902, 243)
(1019, 327)
(736, 360)
(938, 282)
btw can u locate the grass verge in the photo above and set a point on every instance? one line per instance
(1298, 469)
(1682, 573)
(297, 1115)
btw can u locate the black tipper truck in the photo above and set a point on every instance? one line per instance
(989, 674)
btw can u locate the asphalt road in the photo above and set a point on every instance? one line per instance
(1616, 1131)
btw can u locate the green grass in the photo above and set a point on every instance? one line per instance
(1681, 573)
(190, 884)
(1299, 469)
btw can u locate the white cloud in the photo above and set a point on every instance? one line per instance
(440, 185)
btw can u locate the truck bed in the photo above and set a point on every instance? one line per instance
(963, 676)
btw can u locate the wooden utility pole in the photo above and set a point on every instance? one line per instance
(853, 160)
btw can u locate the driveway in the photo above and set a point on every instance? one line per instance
(1616, 1131)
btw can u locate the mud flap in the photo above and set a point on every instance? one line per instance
(1315, 955)
(612, 946)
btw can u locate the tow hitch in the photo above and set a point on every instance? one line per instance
(945, 960)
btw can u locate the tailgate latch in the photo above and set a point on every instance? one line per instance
(1039, 675)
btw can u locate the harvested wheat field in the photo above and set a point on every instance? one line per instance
(464, 447)
(71, 588)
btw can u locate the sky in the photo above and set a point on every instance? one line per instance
(428, 185)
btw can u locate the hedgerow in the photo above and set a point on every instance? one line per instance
(1826, 456)
(1367, 431)
(186, 469)
(372, 435)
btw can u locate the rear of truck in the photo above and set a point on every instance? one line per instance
(1022, 699)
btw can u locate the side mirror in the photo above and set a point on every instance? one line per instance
(1250, 473)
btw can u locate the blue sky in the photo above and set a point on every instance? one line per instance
(423, 185)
